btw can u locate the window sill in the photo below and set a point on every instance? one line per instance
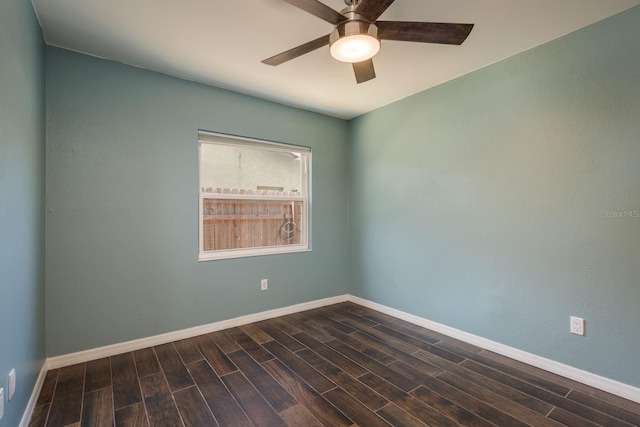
(245, 253)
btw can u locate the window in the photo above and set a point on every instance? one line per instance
(254, 197)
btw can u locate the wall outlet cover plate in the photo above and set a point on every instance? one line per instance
(11, 384)
(577, 325)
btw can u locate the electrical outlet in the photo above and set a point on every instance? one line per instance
(1, 403)
(264, 284)
(11, 384)
(577, 325)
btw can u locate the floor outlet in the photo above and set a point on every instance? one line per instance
(577, 325)
(11, 384)
(264, 285)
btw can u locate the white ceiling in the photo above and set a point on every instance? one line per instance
(221, 43)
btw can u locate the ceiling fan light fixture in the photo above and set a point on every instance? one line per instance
(355, 37)
(354, 41)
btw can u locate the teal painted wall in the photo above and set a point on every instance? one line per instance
(122, 200)
(482, 203)
(22, 153)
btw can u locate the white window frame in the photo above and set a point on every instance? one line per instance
(205, 137)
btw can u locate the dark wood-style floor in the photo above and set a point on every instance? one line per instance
(340, 365)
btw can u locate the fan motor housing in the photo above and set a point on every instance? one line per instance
(351, 28)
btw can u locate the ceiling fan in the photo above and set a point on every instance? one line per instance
(357, 33)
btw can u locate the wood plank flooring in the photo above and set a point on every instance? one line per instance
(341, 365)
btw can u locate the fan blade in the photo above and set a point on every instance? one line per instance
(364, 71)
(372, 9)
(424, 32)
(297, 51)
(318, 9)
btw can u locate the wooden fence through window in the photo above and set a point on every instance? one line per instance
(243, 223)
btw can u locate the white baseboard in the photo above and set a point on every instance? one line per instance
(125, 347)
(611, 386)
(31, 404)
